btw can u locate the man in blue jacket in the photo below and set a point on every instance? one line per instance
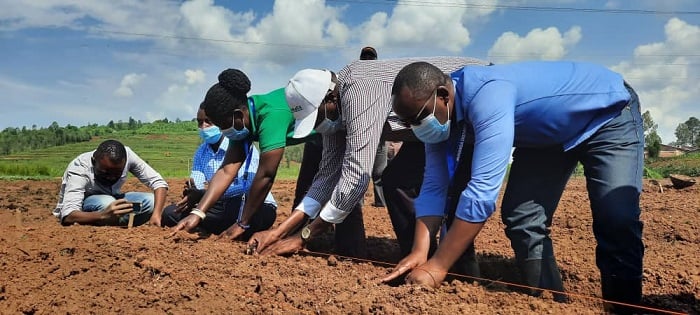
(555, 114)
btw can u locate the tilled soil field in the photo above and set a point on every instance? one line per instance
(49, 269)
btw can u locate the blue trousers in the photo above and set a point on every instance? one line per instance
(612, 160)
(100, 202)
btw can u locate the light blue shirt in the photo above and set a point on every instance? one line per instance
(206, 162)
(528, 104)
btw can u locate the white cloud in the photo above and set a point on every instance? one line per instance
(544, 44)
(292, 30)
(125, 17)
(440, 24)
(180, 98)
(194, 76)
(665, 76)
(127, 84)
(289, 33)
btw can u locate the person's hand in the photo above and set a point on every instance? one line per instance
(288, 245)
(155, 221)
(427, 275)
(115, 209)
(186, 224)
(182, 205)
(190, 200)
(189, 184)
(261, 240)
(232, 233)
(406, 264)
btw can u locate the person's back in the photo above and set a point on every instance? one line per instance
(555, 103)
(274, 122)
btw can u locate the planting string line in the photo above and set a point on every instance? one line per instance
(383, 263)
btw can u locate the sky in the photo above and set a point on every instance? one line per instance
(81, 62)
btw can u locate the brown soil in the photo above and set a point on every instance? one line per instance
(48, 269)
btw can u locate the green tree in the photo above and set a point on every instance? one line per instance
(652, 140)
(293, 153)
(688, 133)
(648, 123)
(132, 124)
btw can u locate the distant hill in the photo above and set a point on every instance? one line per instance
(167, 146)
(16, 140)
(169, 154)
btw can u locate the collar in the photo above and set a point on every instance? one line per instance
(252, 115)
(458, 109)
(222, 147)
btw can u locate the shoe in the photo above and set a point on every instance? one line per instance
(627, 291)
(543, 273)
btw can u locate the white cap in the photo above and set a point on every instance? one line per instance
(305, 92)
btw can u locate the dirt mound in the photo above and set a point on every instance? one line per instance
(46, 268)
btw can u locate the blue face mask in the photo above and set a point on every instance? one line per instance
(211, 134)
(234, 134)
(430, 130)
(328, 126)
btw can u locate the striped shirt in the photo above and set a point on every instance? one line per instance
(348, 155)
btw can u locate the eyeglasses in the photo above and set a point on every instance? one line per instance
(416, 120)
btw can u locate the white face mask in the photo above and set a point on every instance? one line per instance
(430, 130)
(328, 126)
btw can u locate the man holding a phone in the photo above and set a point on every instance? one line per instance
(91, 189)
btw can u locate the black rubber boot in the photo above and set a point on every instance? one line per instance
(627, 291)
(543, 273)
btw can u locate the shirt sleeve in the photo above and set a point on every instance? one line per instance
(491, 112)
(365, 107)
(433, 192)
(74, 186)
(199, 164)
(327, 176)
(144, 172)
(273, 129)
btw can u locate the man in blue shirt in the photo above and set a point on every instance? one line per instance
(555, 114)
(226, 212)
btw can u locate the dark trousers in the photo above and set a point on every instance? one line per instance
(402, 180)
(380, 162)
(612, 160)
(350, 234)
(223, 215)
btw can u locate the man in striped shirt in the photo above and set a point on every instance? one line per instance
(352, 110)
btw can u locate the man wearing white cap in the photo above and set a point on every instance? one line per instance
(350, 110)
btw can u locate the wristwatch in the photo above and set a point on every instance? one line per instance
(306, 233)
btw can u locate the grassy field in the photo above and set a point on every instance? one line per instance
(169, 154)
(688, 164)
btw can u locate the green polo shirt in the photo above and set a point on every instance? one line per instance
(274, 122)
